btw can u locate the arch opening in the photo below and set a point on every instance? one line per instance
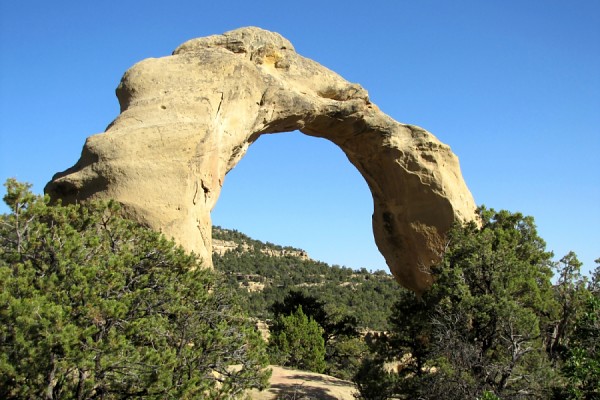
(298, 190)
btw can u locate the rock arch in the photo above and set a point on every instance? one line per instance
(188, 118)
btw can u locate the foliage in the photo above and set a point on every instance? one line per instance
(341, 300)
(582, 363)
(94, 306)
(334, 326)
(344, 356)
(481, 328)
(343, 349)
(343, 291)
(570, 293)
(493, 326)
(373, 381)
(296, 341)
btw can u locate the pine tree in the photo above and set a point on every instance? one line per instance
(296, 341)
(582, 362)
(481, 328)
(94, 306)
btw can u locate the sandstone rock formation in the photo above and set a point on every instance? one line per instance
(221, 247)
(188, 118)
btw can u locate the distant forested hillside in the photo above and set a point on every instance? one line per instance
(265, 273)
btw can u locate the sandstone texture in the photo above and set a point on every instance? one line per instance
(188, 118)
(221, 247)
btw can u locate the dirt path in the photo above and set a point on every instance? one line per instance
(289, 384)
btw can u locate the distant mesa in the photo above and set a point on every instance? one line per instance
(220, 247)
(187, 119)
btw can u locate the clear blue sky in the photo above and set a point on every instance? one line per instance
(513, 86)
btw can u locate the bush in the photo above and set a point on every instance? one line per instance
(480, 330)
(296, 341)
(93, 305)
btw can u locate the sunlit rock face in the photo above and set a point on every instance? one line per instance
(187, 119)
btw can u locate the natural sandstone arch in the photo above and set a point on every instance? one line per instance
(187, 119)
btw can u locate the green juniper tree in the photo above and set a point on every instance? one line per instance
(94, 306)
(334, 326)
(581, 367)
(481, 329)
(570, 292)
(343, 347)
(296, 341)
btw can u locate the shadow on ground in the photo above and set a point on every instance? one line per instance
(289, 391)
(289, 384)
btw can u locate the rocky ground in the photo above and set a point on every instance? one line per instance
(289, 384)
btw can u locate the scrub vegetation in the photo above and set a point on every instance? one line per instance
(93, 305)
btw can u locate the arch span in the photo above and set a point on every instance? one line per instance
(188, 118)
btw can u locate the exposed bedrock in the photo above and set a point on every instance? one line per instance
(188, 118)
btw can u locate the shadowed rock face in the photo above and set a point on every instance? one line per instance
(188, 118)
